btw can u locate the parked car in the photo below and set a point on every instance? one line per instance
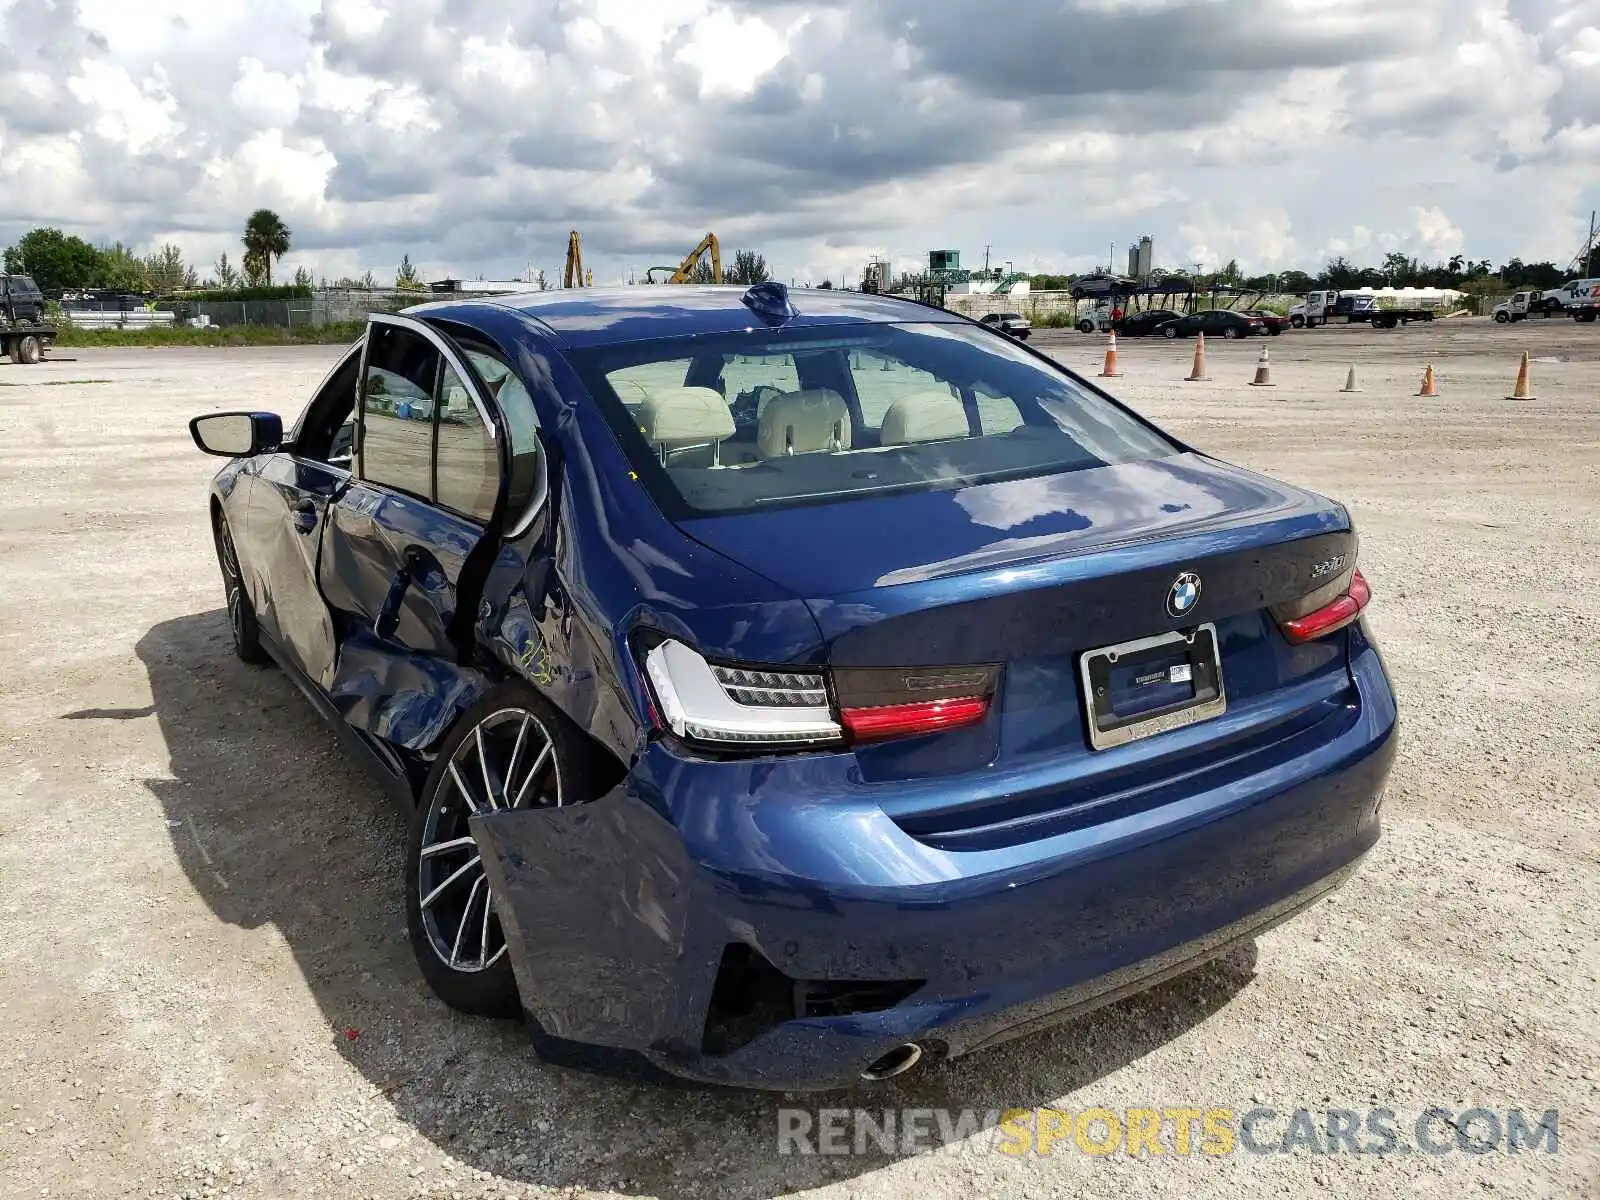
(1215, 322)
(1276, 323)
(1017, 325)
(1142, 324)
(744, 733)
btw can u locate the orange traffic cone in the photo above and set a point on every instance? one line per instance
(1263, 371)
(1524, 386)
(1198, 373)
(1430, 386)
(1110, 371)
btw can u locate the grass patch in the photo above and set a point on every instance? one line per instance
(340, 334)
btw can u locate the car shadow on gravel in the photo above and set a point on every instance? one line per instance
(274, 825)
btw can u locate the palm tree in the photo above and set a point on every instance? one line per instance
(266, 237)
(1457, 262)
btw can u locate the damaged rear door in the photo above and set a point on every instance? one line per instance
(408, 545)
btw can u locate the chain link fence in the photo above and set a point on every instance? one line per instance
(326, 307)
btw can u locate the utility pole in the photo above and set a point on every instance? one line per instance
(986, 248)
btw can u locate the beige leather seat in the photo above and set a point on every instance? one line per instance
(671, 418)
(923, 417)
(803, 422)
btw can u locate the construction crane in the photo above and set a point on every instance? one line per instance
(684, 270)
(575, 275)
(1582, 261)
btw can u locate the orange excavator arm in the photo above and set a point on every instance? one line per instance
(574, 275)
(685, 269)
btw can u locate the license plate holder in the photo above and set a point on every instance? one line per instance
(1151, 685)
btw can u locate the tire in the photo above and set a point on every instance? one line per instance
(1085, 326)
(1276, 330)
(242, 621)
(1230, 333)
(515, 727)
(27, 351)
(1502, 318)
(1297, 321)
(1169, 331)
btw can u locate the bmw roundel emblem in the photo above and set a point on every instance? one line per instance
(1184, 594)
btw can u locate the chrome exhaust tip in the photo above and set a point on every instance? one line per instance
(897, 1062)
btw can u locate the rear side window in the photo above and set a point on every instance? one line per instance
(397, 391)
(767, 418)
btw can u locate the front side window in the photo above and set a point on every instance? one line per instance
(768, 418)
(468, 471)
(397, 391)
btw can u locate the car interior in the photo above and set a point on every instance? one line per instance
(733, 431)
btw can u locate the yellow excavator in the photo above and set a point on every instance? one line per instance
(684, 270)
(575, 275)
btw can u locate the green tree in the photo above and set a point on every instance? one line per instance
(227, 274)
(302, 277)
(121, 270)
(257, 268)
(166, 270)
(266, 238)
(54, 260)
(748, 267)
(405, 276)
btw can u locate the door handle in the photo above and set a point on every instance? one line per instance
(304, 514)
(389, 614)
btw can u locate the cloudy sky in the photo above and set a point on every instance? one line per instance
(473, 134)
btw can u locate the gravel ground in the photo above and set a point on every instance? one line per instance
(207, 988)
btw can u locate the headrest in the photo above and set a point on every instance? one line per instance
(923, 417)
(684, 416)
(803, 422)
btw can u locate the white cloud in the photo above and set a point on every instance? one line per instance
(474, 133)
(731, 52)
(268, 98)
(136, 116)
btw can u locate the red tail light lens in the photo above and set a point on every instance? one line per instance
(925, 716)
(1331, 617)
(888, 702)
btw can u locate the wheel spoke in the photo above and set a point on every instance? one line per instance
(461, 786)
(533, 773)
(455, 950)
(460, 843)
(516, 757)
(475, 863)
(483, 766)
(483, 935)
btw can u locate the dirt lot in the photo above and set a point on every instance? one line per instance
(207, 988)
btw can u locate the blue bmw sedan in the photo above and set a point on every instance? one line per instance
(789, 688)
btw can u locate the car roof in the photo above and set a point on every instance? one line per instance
(584, 317)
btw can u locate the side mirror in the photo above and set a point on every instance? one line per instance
(237, 434)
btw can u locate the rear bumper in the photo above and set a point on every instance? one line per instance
(619, 912)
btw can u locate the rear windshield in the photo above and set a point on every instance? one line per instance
(770, 418)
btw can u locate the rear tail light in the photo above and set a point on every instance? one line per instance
(770, 708)
(729, 706)
(1325, 611)
(886, 702)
